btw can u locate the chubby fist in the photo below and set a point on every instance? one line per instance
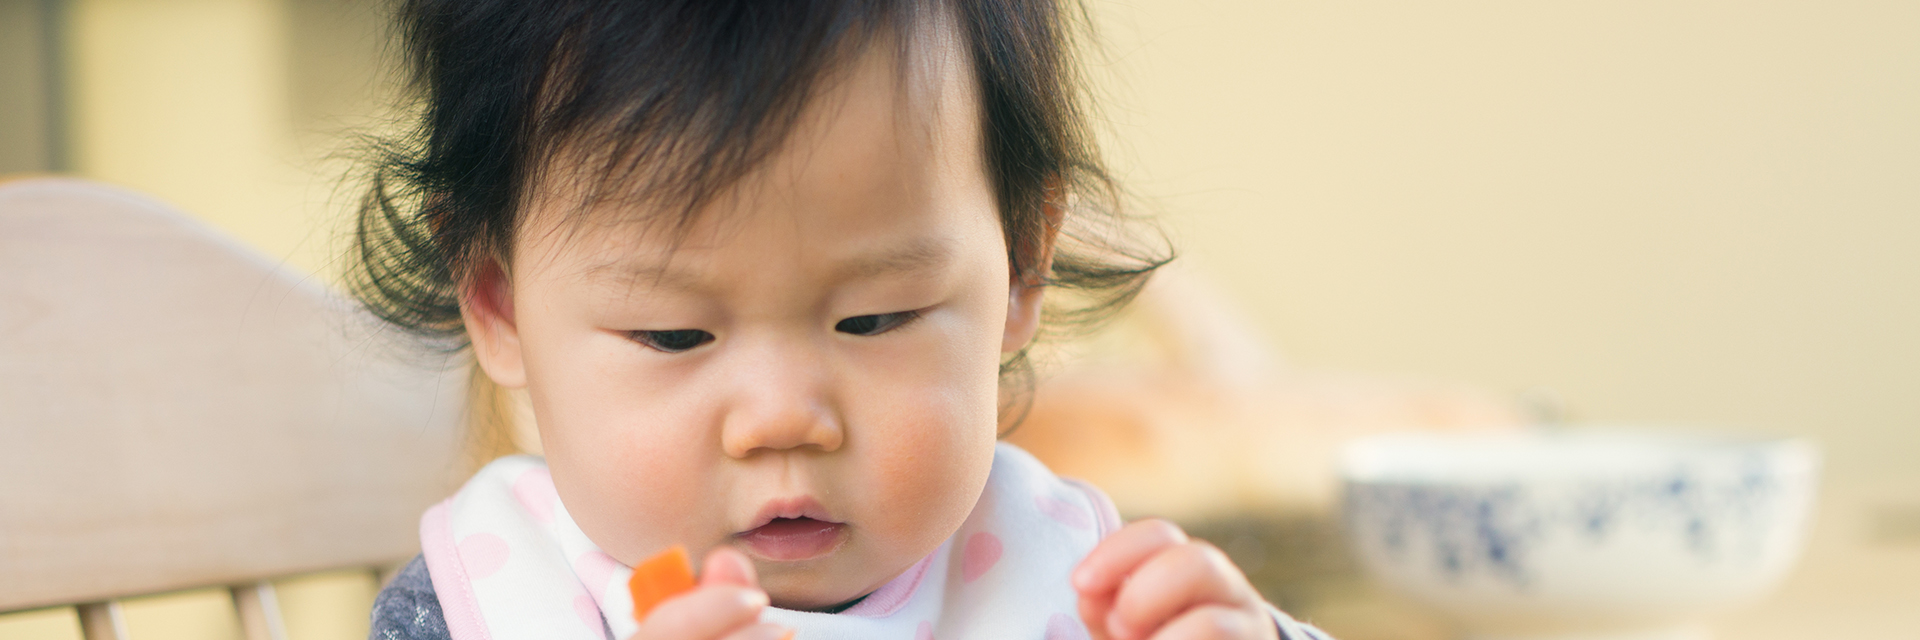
(1149, 581)
(726, 605)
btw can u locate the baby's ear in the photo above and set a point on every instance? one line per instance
(1028, 285)
(486, 308)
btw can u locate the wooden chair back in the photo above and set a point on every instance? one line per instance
(178, 411)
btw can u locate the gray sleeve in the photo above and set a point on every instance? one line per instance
(407, 608)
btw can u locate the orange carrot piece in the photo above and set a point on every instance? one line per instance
(660, 577)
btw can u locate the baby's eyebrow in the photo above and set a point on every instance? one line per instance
(656, 274)
(919, 255)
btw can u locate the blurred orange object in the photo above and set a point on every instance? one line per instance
(668, 574)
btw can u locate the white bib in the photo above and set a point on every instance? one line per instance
(508, 563)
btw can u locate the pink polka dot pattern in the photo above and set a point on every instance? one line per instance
(594, 569)
(925, 632)
(1063, 627)
(589, 613)
(534, 490)
(983, 550)
(1064, 512)
(483, 554)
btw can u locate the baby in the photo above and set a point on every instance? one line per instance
(767, 271)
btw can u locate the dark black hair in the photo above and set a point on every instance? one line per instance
(698, 92)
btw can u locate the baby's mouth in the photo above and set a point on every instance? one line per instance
(792, 539)
(792, 529)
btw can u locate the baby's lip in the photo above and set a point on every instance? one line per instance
(792, 529)
(793, 507)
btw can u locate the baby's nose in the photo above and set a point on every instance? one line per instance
(781, 404)
(787, 427)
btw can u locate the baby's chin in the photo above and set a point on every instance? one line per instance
(830, 584)
(808, 605)
(827, 600)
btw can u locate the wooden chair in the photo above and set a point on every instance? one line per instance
(177, 411)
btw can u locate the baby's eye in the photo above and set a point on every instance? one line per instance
(874, 325)
(674, 341)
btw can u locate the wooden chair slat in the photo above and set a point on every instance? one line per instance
(102, 621)
(259, 609)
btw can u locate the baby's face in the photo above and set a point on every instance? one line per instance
(809, 375)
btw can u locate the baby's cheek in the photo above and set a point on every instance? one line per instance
(932, 463)
(638, 492)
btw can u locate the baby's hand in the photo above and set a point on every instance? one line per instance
(726, 605)
(1149, 580)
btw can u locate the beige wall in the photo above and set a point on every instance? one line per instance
(1680, 211)
(1677, 211)
(235, 110)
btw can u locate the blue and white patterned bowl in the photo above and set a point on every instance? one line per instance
(1591, 533)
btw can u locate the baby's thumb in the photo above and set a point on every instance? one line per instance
(726, 565)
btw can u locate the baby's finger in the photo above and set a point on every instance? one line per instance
(1172, 581)
(706, 612)
(1218, 622)
(726, 565)
(1116, 557)
(1094, 610)
(762, 632)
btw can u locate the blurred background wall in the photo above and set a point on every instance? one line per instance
(1683, 212)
